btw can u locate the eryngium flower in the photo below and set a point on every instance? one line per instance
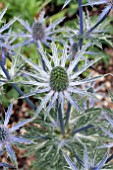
(109, 6)
(58, 81)
(7, 138)
(38, 30)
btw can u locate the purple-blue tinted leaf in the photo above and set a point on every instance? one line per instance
(6, 26)
(104, 12)
(20, 124)
(20, 140)
(11, 153)
(8, 114)
(107, 132)
(3, 164)
(70, 162)
(102, 162)
(109, 119)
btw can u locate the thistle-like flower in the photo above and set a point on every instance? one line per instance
(108, 3)
(7, 138)
(58, 81)
(38, 31)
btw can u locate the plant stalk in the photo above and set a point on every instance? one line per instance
(61, 121)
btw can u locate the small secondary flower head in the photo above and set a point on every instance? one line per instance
(58, 81)
(38, 31)
(7, 138)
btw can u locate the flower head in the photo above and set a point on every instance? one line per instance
(38, 31)
(58, 81)
(7, 138)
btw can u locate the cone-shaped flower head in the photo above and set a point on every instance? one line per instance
(39, 28)
(7, 138)
(58, 81)
(39, 31)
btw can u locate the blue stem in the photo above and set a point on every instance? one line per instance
(68, 114)
(80, 46)
(61, 119)
(81, 22)
(16, 87)
(83, 128)
(79, 160)
(109, 159)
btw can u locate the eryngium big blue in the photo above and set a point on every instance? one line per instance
(38, 31)
(7, 138)
(58, 81)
